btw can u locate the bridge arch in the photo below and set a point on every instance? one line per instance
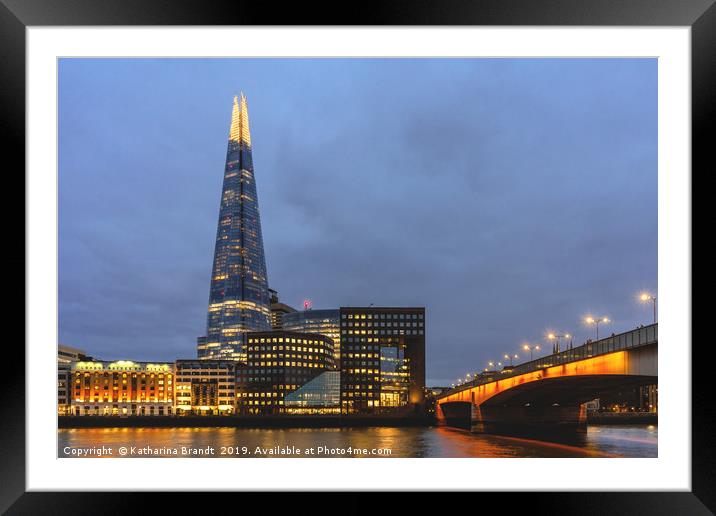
(566, 391)
(551, 391)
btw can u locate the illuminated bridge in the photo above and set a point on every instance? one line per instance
(548, 393)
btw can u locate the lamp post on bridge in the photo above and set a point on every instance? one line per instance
(556, 337)
(595, 321)
(529, 348)
(510, 358)
(644, 297)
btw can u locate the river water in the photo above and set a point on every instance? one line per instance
(599, 441)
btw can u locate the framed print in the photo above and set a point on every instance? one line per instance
(439, 238)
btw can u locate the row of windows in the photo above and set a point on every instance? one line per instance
(205, 393)
(382, 316)
(389, 324)
(310, 326)
(381, 332)
(317, 355)
(286, 387)
(205, 373)
(220, 378)
(228, 385)
(300, 349)
(134, 381)
(277, 373)
(116, 375)
(76, 401)
(286, 340)
(363, 394)
(349, 386)
(309, 365)
(278, 380)
(96, 391)
(263, 402)
(290, 370)
(260, 394)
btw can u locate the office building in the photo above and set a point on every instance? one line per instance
(278, 310)
(382, 359)
(278, 363)
(205, 387)
(238, 295)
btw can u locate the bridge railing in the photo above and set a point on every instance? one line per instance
(627, 340)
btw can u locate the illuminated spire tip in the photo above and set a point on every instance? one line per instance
(240, 121)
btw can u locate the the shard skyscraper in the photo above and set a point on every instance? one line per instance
(238, 297)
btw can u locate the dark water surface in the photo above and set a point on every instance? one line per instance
(599, 441)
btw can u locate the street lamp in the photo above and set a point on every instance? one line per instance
(529, 348)
(510, 357)
(555, 337)
(644, 297)
(595, 321)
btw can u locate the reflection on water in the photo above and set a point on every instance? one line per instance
(599, 441)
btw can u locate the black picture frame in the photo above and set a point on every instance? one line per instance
(700, 15)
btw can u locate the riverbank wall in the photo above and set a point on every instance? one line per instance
(622, 418)
(288, 421)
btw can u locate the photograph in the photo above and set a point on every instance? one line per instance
(357, 257)
(439, 236)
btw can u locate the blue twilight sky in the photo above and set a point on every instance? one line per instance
(508, 196)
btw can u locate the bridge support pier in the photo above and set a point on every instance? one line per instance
(529, 420)
(457, 415)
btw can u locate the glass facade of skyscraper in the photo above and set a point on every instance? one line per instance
(323, 322)
(239, 297)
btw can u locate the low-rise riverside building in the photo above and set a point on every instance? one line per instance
(205, 387)
(66, 356)
(121, 388)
